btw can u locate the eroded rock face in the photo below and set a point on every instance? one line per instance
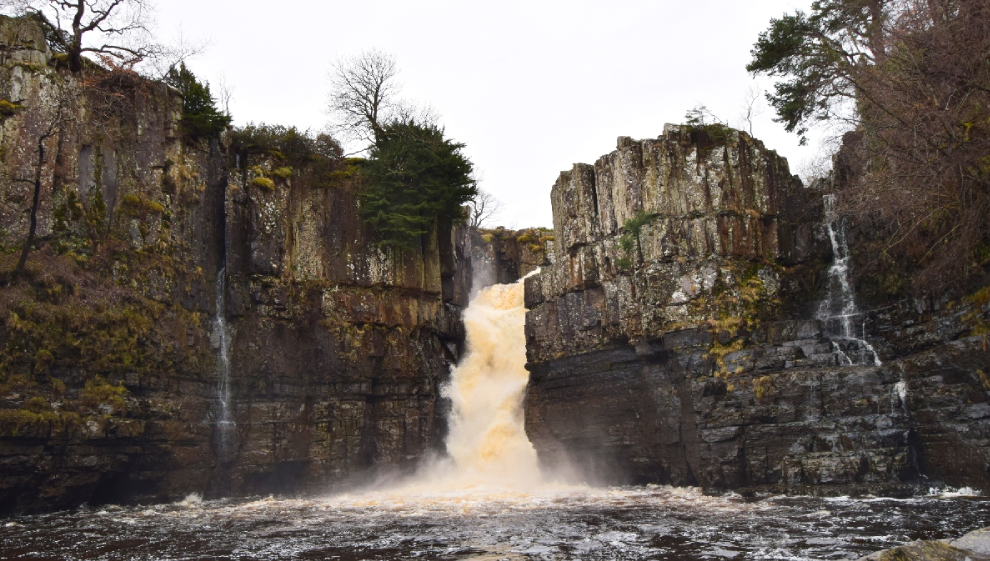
(716, 215)
(687, 354)
(109, 386)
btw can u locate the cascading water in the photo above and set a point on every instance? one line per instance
(838, 311)
(490, 456)
(487, 440)
(226, 428)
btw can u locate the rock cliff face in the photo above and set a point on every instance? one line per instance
(672, 341)
(109, 348)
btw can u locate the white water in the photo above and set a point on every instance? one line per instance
(490, 456)
(222, 333)
(838, 311)
(487, 440)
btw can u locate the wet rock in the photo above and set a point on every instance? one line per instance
(974, 546)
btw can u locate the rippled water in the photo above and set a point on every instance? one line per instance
(565, 523)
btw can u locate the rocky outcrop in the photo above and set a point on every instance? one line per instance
(502, 256)
(686, 353)
(974, 546)
(109, 379)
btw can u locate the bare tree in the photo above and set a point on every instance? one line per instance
(225, 93)
(484, 207)
(119, 29)
(365, 97)
(751, 107)
(54, 127)
(364, 94)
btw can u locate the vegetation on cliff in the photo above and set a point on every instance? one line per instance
(116, 31)
(417, 178)
(200, 116)
(912, 80)
(68, 341)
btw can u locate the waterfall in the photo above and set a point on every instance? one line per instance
(838, 311)
(487, 440)
(222, 333)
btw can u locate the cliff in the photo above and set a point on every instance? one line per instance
(676, 340)
(113, 361)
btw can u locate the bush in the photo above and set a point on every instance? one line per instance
(287, 144)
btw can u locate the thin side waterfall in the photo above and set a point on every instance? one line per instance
(838, 312)
(222, 334)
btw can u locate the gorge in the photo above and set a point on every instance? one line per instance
(184, 328)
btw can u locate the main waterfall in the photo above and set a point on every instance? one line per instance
(487, 440)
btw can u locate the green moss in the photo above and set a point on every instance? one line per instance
(58, 388)
(283, 172)
(528, 237)
(763, 387)
(976, 319)
(263, 183)
(136, 207)
(7, 108)
(43, 361)
(99, 392)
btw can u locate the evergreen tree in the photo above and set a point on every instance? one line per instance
(415, 178)
(910, 78)
(200, 116)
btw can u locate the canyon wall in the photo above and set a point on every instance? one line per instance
(675, 339)
(110, 373)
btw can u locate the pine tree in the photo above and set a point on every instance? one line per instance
(416, 178)
(200, 116)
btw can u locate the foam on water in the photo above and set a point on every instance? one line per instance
(549, 522)
(487, 440)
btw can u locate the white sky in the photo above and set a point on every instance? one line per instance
(530, 87)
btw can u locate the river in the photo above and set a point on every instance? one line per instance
(490, 499)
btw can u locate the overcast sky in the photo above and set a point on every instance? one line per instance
(530, 87)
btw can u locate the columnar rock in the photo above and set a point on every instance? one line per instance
(109, 386)
(673, 339)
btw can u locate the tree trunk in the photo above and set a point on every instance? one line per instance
(34, 209)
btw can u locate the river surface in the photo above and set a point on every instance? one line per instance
(654, 522)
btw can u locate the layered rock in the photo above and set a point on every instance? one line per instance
(686, 352)
(109, 379)
(502, 256)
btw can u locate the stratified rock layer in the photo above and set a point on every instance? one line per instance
(685, 353)
(108, 376)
